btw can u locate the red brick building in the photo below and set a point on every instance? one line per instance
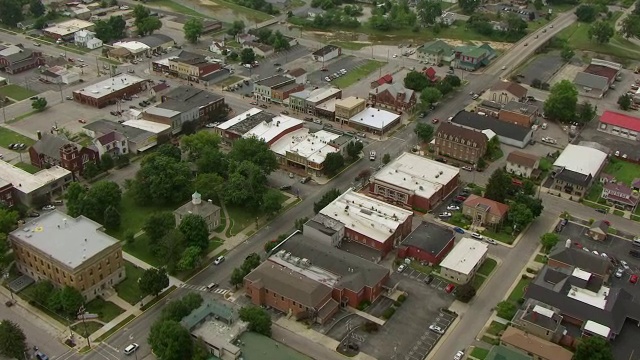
(108, 91)
(428, 242)
(52, 150)
(394, 97)
(6, 193)
(282, 93)
(413, 182)
(15, 59)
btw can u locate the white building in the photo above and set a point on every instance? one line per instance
(86, 38)
(113, 143)
(327, 53)
(270, 131)
(60, 75)
(67, 29)
(136, 48)
(464, 260)
(306, 150)
(29, 186)
(374, 120)
(576, 168)
(217, 48)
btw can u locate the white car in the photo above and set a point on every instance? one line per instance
(48, 208)
(326, 78)
(445, 215)
(401, 268)
(624, 264)
(604, 255)
(131, 349)
(595, 252)
(490, 241)
(436, 329)
(458, 355)
(476, 236)
(372, 155)
(395, 56)
(124, 7)
(468, 168)
(343, 71)
(453, 207)
(210, 125)
(549, 140)
(218, 260)
(619, 273)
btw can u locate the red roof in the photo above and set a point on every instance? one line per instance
(387, 79)
(430, 72)
(620, 120)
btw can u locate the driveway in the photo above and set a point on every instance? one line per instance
(344, 62)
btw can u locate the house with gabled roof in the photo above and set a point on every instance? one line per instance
(394, 97)
(436, 52)
(472, 58)
(54, 150)
(485, 212)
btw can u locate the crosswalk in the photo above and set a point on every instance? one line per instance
(204, 288)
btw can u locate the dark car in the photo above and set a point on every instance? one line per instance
(442, 160)
(634, 253)
(428, 279)
(285, 187)
(456, 201)
(459, 230)
(602, 211)
(305, 180)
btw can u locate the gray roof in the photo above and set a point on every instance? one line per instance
(252, 121)
(155, 40)
(50, 145)
(325, 50)
(103, 127)
(596, 82)
(579, 258)
(429, 237)
(522, 108)
(70, 241)
(203, 209)
(600, 225)
(288, 283)
(355, 272)
(275, 80)
(208, 308)
(393, 89)
(184, 98)
(552, 286)
(216, 75)
(501, 128)
(573, 177)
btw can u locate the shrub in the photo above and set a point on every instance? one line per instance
(506, 310)
(402, 298)
(363, 305)
(524, 276)
(387, 314)
(591, 221)
(521, 301)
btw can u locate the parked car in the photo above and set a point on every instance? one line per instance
(444, 215)
(467, 168)
(210, 125)
(401, 268)
(453, 207)
(461, 198)
(48, 208)
(459, 230)
(219, 260)
(449, 288)
(305, 179)
(428, 279)
(624, 264)
(458, 355)
(634, 253)
(435, 121)
(490, 241)
(41, 356)
(477, 236)
(619, 273)
(436, 329)
(633, 279)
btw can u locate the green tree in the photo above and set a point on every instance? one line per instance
(255, 151)
(153, 281)
(209, 185)
(67, 301)
(191, 258)
(39, 104)
(469, 6)
(532, 203)
(111, 218)
(250, 262)
(506, 309)
(74, 195)
(386, 158)
(271, 202)
(169, 248)
(200, 350)
(538, 4)
(237, 277)
(8, 220)
(247, 56)
(36, 8)
(354, 148)
(195, 231)
(325, 200)
(586, 13)
(593, 348)
(236, 28)
(99, 197)
(161, 180)
(11, 13)
(548, 241)
(424, 132)
(140, 12)
(416, 80)
(13, 342)
(520, 216)
(516, 25)
(199, 142)
(106, 162)
(299, 224)
(193, 30)
(452, 80)
(430, 96)
(428, 11)
(40, 23)
(258, 319)
(567, 53)
(170, 341)
(601, 31)
(499, 186)
(149, 25)
(465, 293)
(279, 42)
(170, 151)
(562, 101)
(41, 292)
(90, 170)
(624, 101)
(630, 26)
(585, 112)
(245, 185)
(158, 224)
(333, 162)
(174, 311)
(122, 160)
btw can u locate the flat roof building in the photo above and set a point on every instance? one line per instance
(464, 260)
(414, 182)
(576, 168)
(108, 91)
(270, 131)
(66, 29)
(141, 135)
(376, 121)
(28, 186)
(619, 124)
(236, 127)
(369, 221)
(429, 242)
(69, 252)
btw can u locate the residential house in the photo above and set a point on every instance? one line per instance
(16, 58)
(207, 210)
(576, 167)
(466, 257)
(218, 48)
(484, 212)
(141, 135)
(346, 108)
(523, 164)
(326, 53)
(53, 150)
(519, 113)
(394, 97)
(428, 243)
(504, 92)
(598, 230)
(539, 348)
(541, 320)
(472, 57)
(385, 79)
(620, 195)
(460, 143)
(112, 143)
(87, 39)
(436, 52)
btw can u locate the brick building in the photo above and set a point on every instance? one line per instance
(109, 91)
(519, 113)
(460, 143)
(15, 59)
(394, 97)
(51, 150)
(428, 243)
(6, 193)
(414, 182)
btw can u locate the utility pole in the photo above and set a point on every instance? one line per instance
(82, 312)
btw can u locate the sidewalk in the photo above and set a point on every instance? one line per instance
(143, 265)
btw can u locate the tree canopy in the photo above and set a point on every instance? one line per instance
(593, 348)
(586, 13)
(153, 281)
(499, 186)
(562, 101)
(161, 180)
(424, 132)
(258, 319)
(325, 200)
(13, 342)
(430, 96)
(195, 231)
(111, 29)
(416, 80)
(333, 162)
(170, 341)
(601, 31)
(193, 29)
(549, 240)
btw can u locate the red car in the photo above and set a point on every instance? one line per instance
(450, 288)
(461, 198)
(633, 279)
(82, 121)
(435, 121)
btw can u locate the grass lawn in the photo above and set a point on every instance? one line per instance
(115, 328)
(518, 291)
(133, 216)
(477, 281)
(502, 236)
(140, 249)
(419, 267)
(16, 92)
(622, 170)
(106, 310)
(242, 217)
(230, 80)
(594, 205)
(495, 328)
(251, 14)
(635, 217)
(128, 289)
(479, 353)
(618, 212)
(594, 192)
(86, 329)
(541, 259)
(351, 45)
(27, 167)
(10, 137)
(357, 74)
(487, 267)
(490, 340)
(176, 7)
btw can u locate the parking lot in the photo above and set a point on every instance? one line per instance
(267, 66)
(542, 67)
(406, 335)
(344, 62)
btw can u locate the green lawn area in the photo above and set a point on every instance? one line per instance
(503, 236)
(479, 353)
(622, 170)
(177, 7)
(115, 328)
(518, 291)
(242, 217)
(351, 45)
(27, 294)
(594, 192)
(541, 258)
(419, 267)
(487, 267)
(495, 328)
(27, 167)
(140, 249)
(10, 137)
(230, 80)
(594, 205)
(106, 310)
(88, 328)
(133, 215)
(477, 281)
(128, 289)
(16, 92)
(251, 14)
(357, 74)
(618, 212)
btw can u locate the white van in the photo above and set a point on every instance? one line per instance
(131, 349)
(372, 155)
(636, 241)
